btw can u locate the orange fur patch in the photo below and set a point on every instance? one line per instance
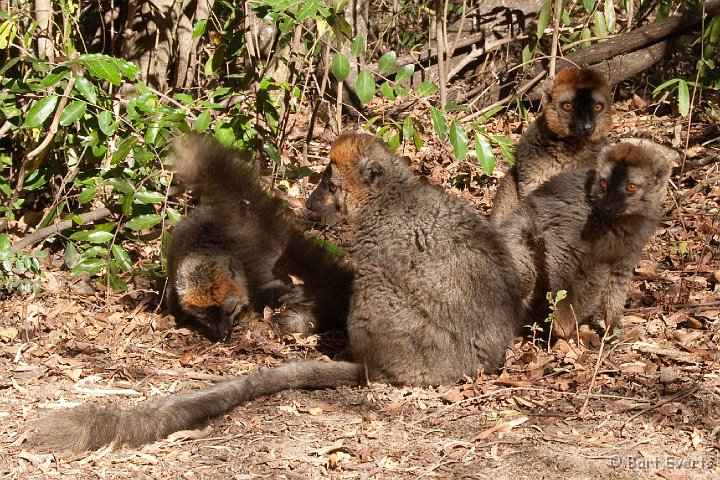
(631, 154)
(574, 78)
(210, 293)
(345, 154)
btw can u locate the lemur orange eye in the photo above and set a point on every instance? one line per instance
(332, 187)
(631, 187)
(603, 183)
(567, 106)
(598, 107)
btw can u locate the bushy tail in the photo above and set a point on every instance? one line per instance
(91, 427)
(223, 174)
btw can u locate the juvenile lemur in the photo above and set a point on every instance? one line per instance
(236, 249)
(568, 133)
(435, 297)
(583, 231)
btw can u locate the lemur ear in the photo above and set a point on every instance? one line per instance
(369, 170)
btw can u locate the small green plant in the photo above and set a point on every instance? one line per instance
(553, 301)
(19, 271)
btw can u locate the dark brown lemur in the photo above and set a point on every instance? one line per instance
(584, 230)
(435, 298)
(236, 249)
(568, 133)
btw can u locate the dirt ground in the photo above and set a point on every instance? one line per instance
(645, 407)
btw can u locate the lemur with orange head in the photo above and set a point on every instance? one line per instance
(236, 249)
(568, 133)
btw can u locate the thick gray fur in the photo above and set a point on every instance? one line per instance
(563, 237)
(436, 294)
(91, 426)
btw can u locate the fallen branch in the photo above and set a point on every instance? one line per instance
(36, 236)
(87, 217)
(641, 37)
(714, 180)
(624, 55)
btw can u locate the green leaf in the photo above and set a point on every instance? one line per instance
(610, 15)
(340, 67)
(71, 255)
(173, 215)
(427, 88)
(387, 62)
(90, 265)
(8, 29)
(115, 282)
(72, 112)
(490, 113)
(272, 152)
(152, 132)
(357, 47)
(85, 88)
(101, 67)
(4, 242)
(129, 69)
(586, 34)
(126, 201)
(507, 151)
(203, 121)
(664, 85)
(146, 196)
(86, 195)
(52, 79)
(388, 91)
(484, 153)
(404, 73)
(543, 18)
(39, 112)
(394, 141)
(329, 246)
(408, 129)
(122, 258)
(600, 24)
(588, 5)
(122, 150)
(199, 28)
(121, 185)
(185, 98)
(683, 98)
(365, 86)
(106, 124)
(142, 222)
(458, 140)
(526, 56)
(99, 237)
(439, 123)
(224, 133)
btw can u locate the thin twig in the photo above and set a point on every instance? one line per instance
(556, 34)
(596, 369)
(520, 92)
(659, 404)
(37, 151)
(705, 183)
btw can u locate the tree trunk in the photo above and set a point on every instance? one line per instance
(43, 16)
(149, 38)
(187, 51)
